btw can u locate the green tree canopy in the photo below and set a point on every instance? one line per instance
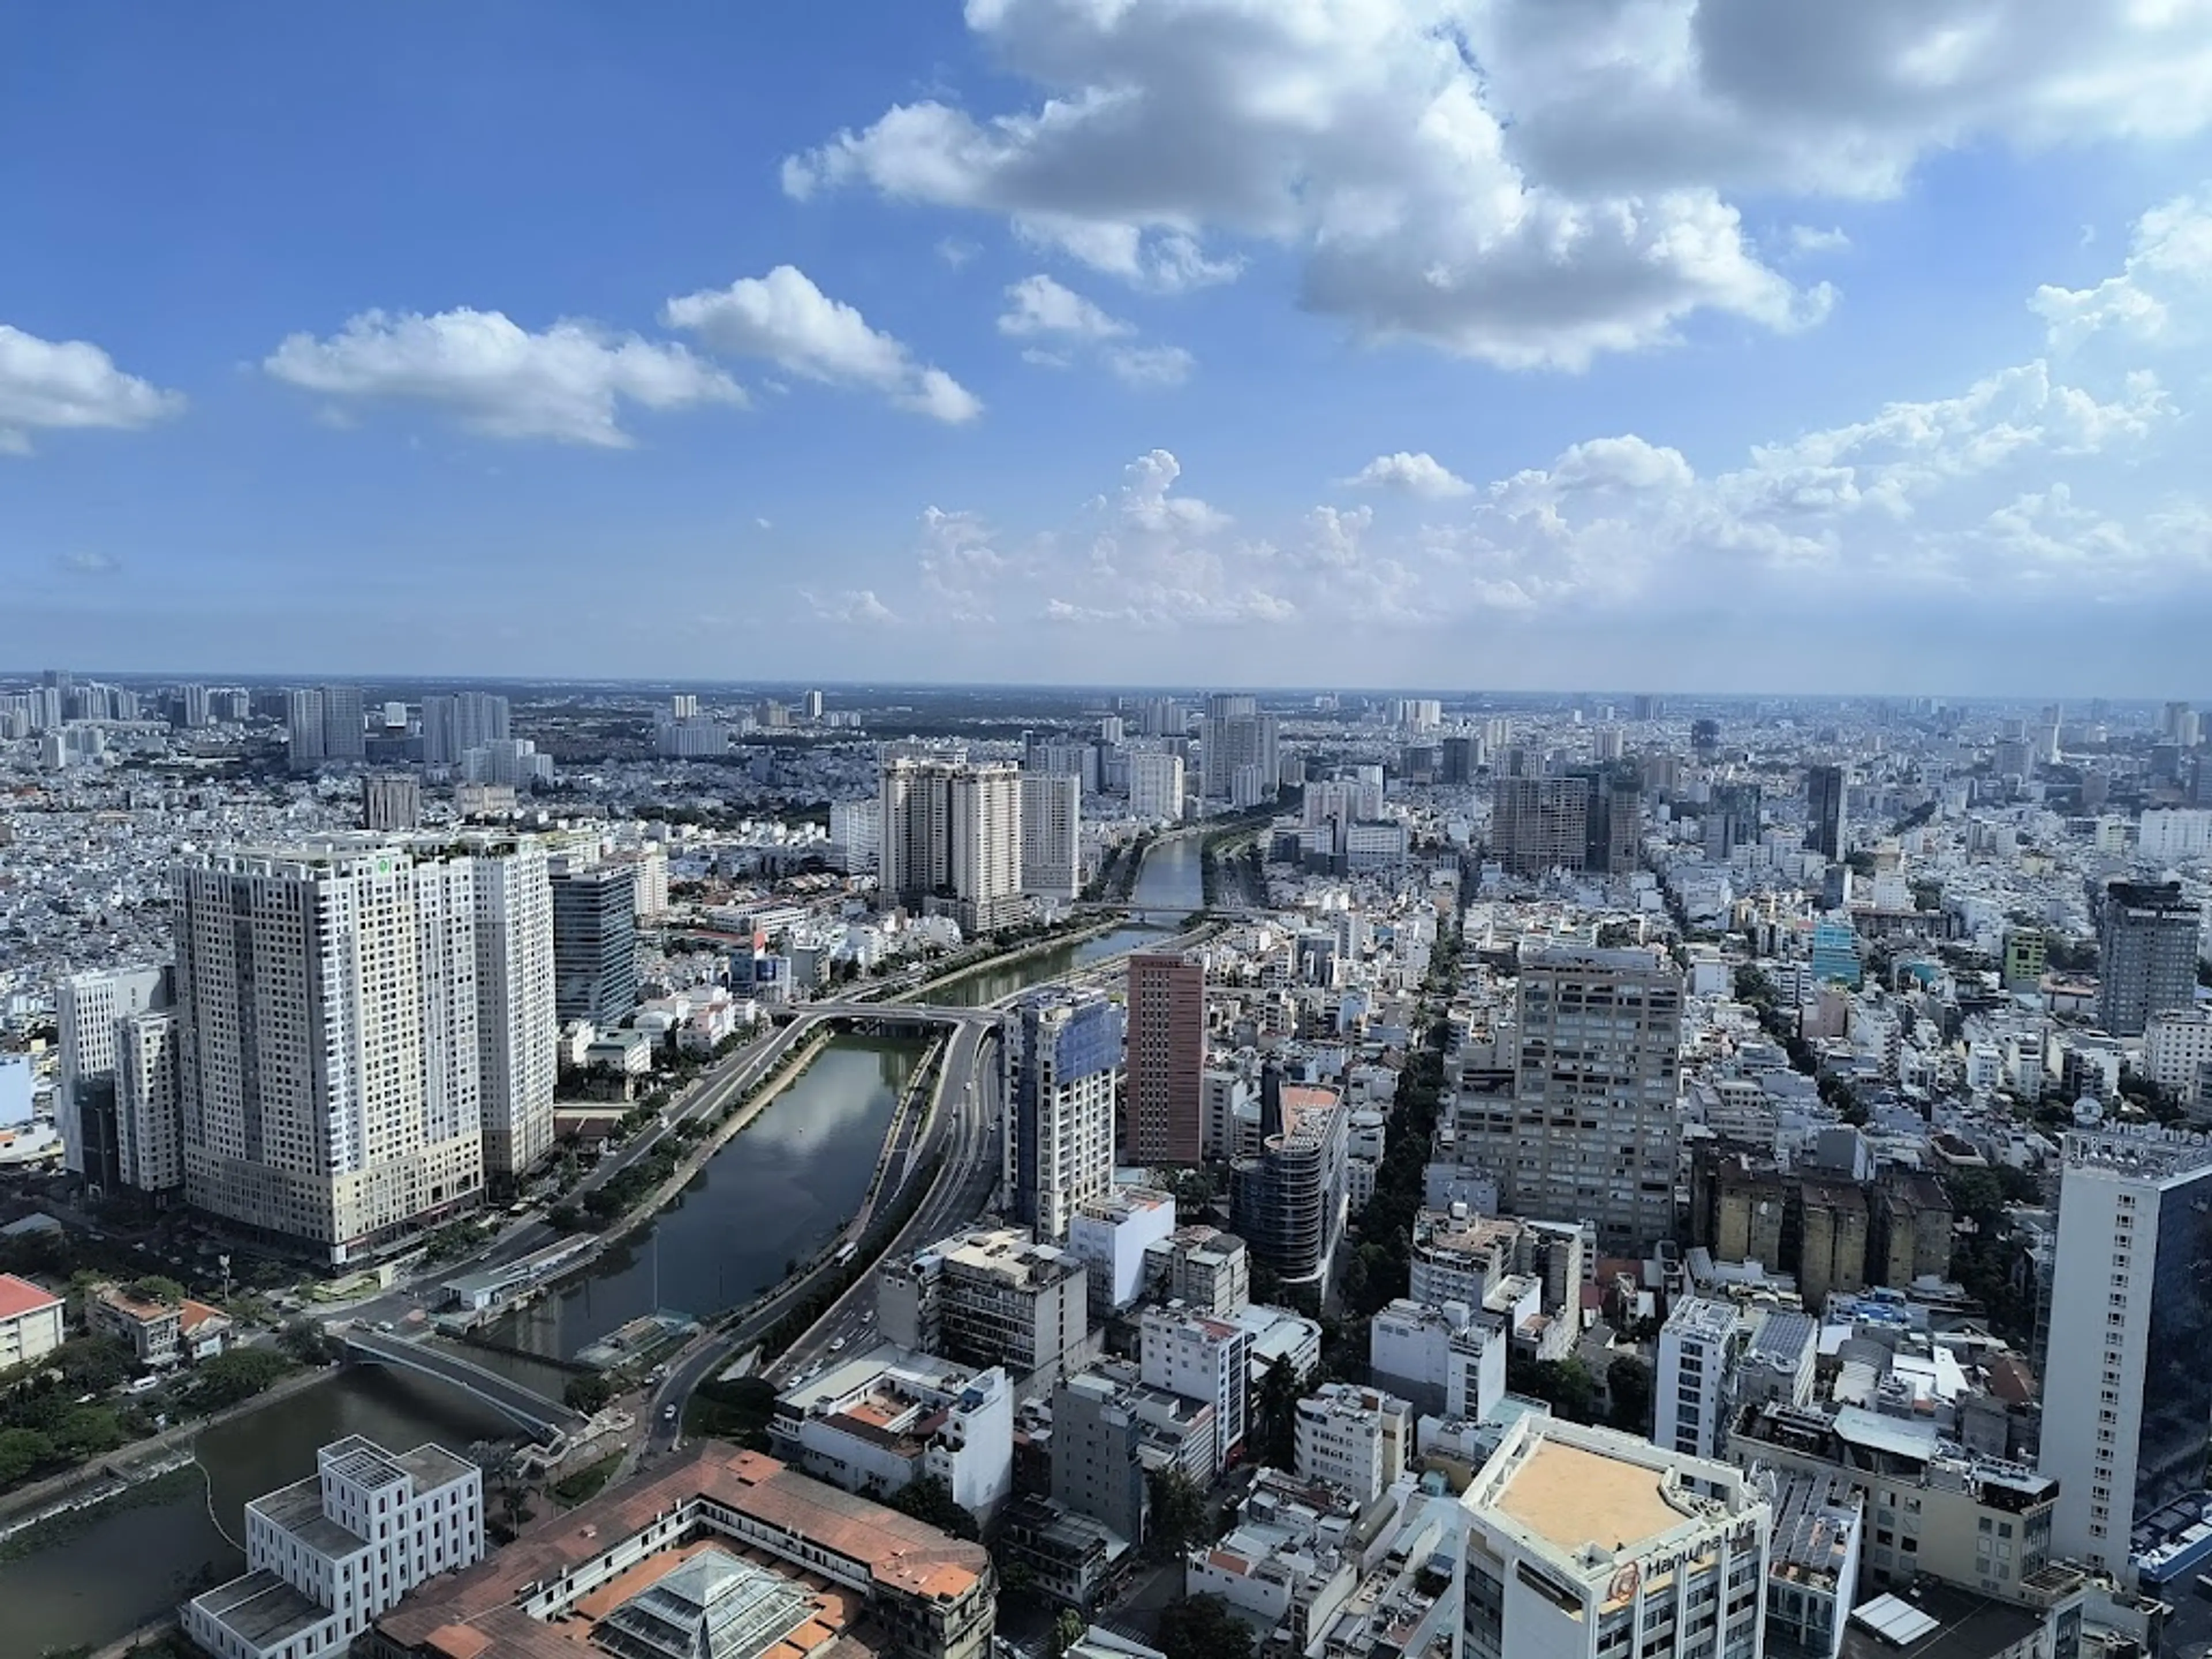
(1202, 1627)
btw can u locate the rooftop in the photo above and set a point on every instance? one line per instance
(263, 1608)
(1571, 1497)
(19, 1297)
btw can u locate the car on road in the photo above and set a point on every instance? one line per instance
(668, 1413)
(837, 1346)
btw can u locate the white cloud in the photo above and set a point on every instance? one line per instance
(1144, 366)
(1421, 474)
(89, 562)
(1038, 305)
(47, 384)
(1532, 182)
(2162, 294)
(784, 318)
(1806, 240)
(855, 605)
(497, 378)
(956, 253)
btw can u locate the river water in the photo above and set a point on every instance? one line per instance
(778, 1192)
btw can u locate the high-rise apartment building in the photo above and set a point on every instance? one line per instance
(1589, 1132)
(2126, 1392)
(148, 1125)
(1582, 1541)
(1824, 811)
(1063, 1048)
(1233, 736)
(594, 941)
(1540, 824)
(303, 729)
(91, 1008)
(518, 1020)
(1156, 786)
(346, 733)
(2148, 956)
(1051, 836)
(1693, 1394)
(1458, 758)
(455, 722)
(855, 834)
(194, 707)
(950, 840)
(1733, 820)
(1286, 1199)
(328, 1068)
(1166, 1108)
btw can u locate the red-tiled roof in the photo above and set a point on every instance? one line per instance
(19, 1296)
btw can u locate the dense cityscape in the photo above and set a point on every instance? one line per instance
(943, 1172)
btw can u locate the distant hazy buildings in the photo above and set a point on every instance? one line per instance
(391, 801)
(1824, 811)
(950, 840)
(1240, 750)
(1166, 1113)
(1538, 825)
(454, 723)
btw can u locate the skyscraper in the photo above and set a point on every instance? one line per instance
(950, 840)
(91, 1007)
(594, 942)
(2147, 954)
(330, 1078)
(1590, 1132)
(1156, 786)
(345, 737)
(1062, 1047)
(1540, 824)
(148, 1125)
(2126, 1391)
(1234, 735)
(1824, 811)
(1052, 835)
(1166, 1060)
(1733, 820)
(517, 1021)
(454, 723)
(303, 729)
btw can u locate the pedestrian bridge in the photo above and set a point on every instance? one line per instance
(503, 1393)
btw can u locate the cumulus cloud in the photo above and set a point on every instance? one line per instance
(565, 384)
(1419, 474)
(2161, 295)
(1531, 182)
(1142, 366)
(48, 384)
(784, 318)
(1038, 305)
(1805, 241)
(855, 605)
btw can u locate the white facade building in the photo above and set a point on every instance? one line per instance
(1156, 788)
(1062, 1053)
(336, 1073)
(1051, 836)
(89, 1005)
(1693, 1390)
(149, 1127)
(877, 1424)
(1447, 1361)
(2178, 1054)
(855, 834)
(1110, 1235)
(2126, 1390)
(950, 840)
(1202, 1359)
(1354, 1438)
(326, 1555)
(1583, 1542)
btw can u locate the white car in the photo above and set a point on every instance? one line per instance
(837, 1346)
(668, 1413)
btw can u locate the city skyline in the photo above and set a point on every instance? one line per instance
(1816, 354)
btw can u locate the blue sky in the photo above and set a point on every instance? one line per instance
(1675, 344)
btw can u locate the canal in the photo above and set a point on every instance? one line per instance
(131, 1564)
(776, 1194)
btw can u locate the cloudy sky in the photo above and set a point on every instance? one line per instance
(1728, 344)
